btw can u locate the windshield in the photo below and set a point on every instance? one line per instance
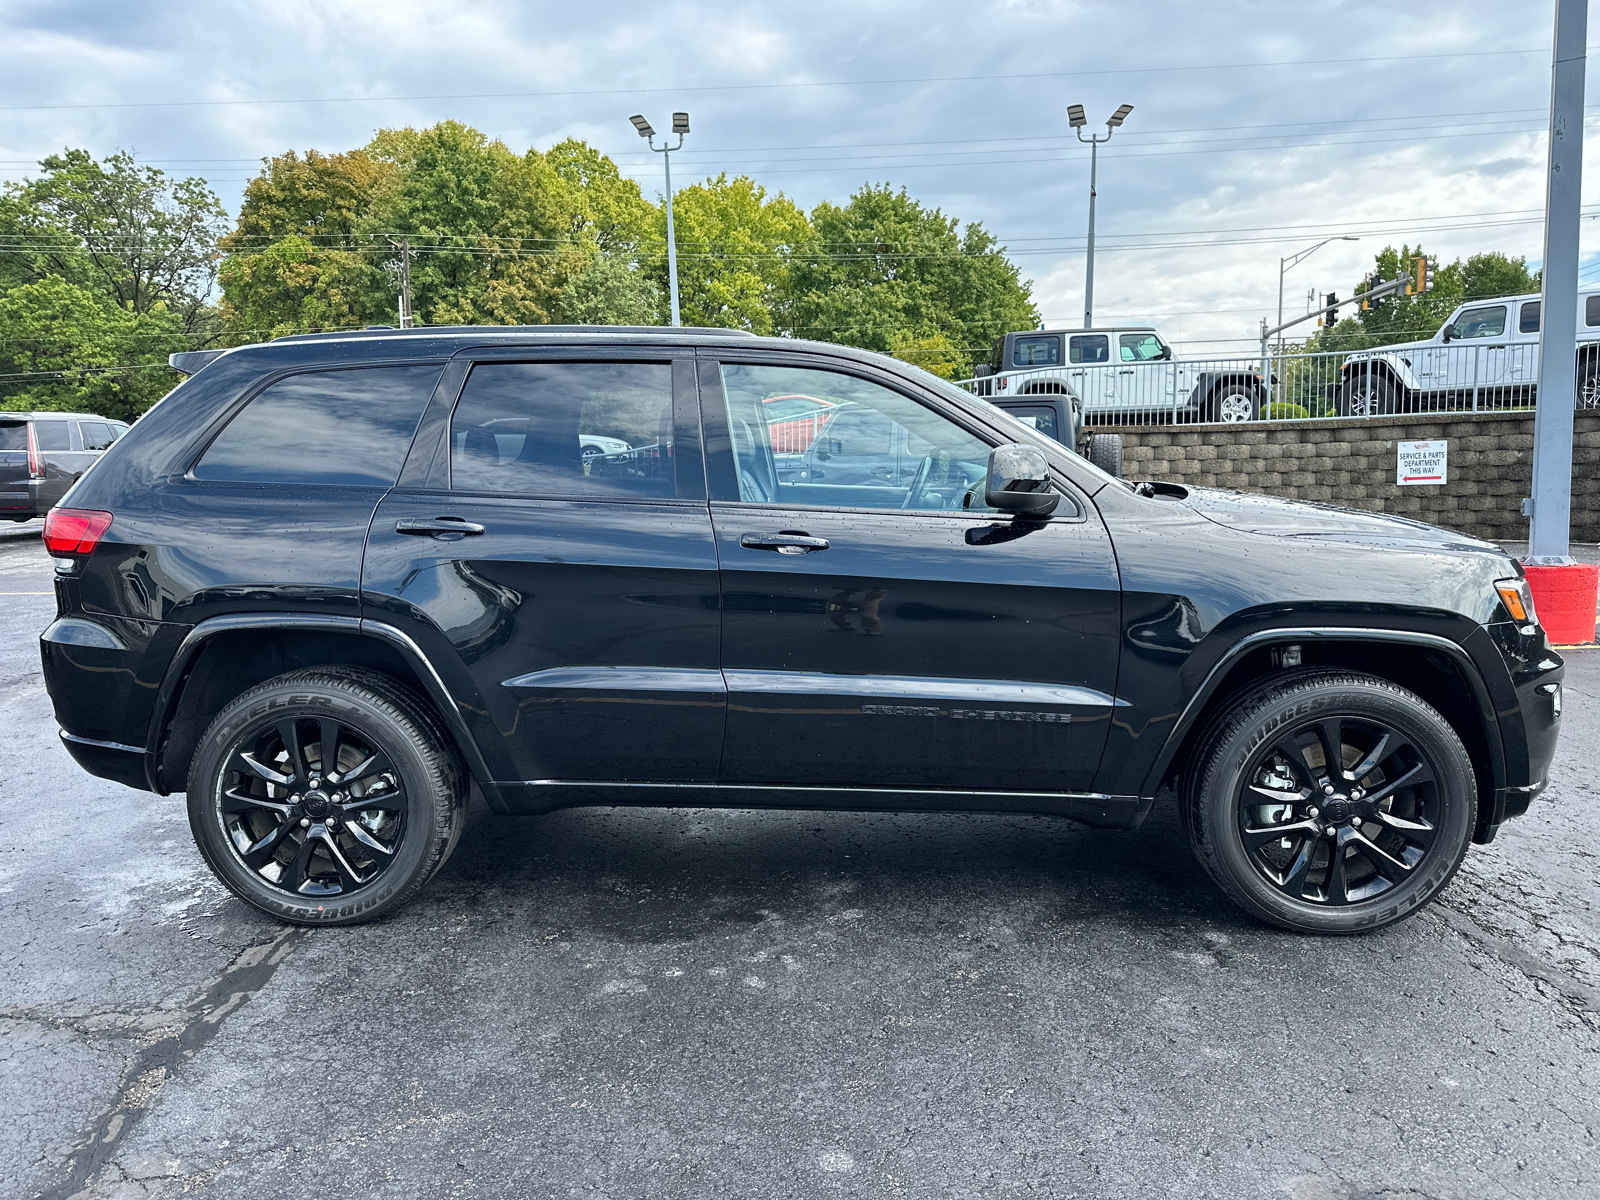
(1006, 420)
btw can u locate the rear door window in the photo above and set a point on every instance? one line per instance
(96, 435)
(1089, 348)
(574, 429)
(1036, 352)
(1591, 310)
(325, 428)
(52, 435)
(1528, 319)
(13, 436)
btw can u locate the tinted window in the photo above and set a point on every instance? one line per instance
(1036, 352)
(14, 437)
(1140, 347)
(117, 430)
(1482, 322)
(324, 428)
(1089, 348)
(96, 435)
(883, 451)
(1591, 311)
(564, 429)
(1041, 417)
(52, 435)
(1528, 320)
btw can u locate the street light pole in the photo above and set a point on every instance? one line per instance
(1294, 260)
(680, 126)
(1077, 120)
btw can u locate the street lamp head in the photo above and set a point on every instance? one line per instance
(642, 126)
(1349, 237)
(1075, 117)
(1118, 117)
(680, 122)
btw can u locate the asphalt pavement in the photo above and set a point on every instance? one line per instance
(693, 1003)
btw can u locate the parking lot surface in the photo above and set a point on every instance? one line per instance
(631, 1003)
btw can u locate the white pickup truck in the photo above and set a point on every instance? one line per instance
(1486, 354)
(1124, 374)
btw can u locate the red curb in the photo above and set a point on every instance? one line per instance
(1564, 600)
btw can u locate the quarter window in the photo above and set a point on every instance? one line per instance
(1036, 352)
(52, 435)
(324, 428)
(1042, 417)
(1089, 348)
(595, 429)
(879, 449)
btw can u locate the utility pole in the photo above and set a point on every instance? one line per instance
(680, 126)
(1077, 120)
(406, 255)
(1294, 260)
(1563, 589)
(1551, 506)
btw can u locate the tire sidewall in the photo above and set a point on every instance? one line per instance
(389, 729)
(1216, 822)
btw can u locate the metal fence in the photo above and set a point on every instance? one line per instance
(1462, 376)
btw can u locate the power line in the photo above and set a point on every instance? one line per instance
(750, 87)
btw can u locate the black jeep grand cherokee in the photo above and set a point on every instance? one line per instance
(331, 581)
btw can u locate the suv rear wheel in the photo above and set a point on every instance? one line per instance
(326, 797)
(1331, 802)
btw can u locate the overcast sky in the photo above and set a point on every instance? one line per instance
(1258, 129)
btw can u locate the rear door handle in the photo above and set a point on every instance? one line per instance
(448, 528)
(785, 542)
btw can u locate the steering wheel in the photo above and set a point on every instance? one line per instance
(919, 483)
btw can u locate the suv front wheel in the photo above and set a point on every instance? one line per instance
(1331, 802)
(326, 797)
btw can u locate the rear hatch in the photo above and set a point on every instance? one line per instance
(13, 463)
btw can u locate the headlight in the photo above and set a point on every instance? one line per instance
(1518, 599)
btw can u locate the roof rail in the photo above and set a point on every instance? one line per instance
(425, 330)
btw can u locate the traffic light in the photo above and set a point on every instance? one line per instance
(1423, 280)
(1330, 316)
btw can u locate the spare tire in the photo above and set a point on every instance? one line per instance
(1105, 452)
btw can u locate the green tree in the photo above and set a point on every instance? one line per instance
(123, 231)
(735, 243)
(609, 289)
(65, 348)
(883, 267)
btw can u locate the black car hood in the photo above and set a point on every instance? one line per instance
(1247, 512)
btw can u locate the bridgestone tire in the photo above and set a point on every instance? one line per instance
(1105, 452)
(1234, 741)
(383, 712)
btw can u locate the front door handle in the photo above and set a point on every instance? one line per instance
(785, 542)
(445, 528)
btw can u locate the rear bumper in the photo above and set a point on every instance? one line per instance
(109, 760)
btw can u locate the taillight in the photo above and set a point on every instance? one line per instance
(74, 530)
(35, 463)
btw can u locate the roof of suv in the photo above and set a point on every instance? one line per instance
(52, 415)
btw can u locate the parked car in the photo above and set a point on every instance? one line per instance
(324, 648)
(1485, 354)
(1123, 374)
(42, 454)
(1059, 415)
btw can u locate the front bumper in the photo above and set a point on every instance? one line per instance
(1528, 705)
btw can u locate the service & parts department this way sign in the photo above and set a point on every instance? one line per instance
(1422, 462)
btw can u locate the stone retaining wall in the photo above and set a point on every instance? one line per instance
(1352, 463)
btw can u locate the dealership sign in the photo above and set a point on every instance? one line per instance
(1422, 462)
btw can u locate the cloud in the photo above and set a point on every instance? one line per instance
(1228, 163)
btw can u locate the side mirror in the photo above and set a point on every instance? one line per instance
(982, 371)
(1166, 352)
(1448, 332)
(1019, 481)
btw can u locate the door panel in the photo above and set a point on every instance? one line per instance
(582, 629)
(917, 640)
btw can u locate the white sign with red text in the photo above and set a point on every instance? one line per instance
(1422, 462)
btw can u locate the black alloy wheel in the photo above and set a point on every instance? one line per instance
(1332, 803)
(327, 796)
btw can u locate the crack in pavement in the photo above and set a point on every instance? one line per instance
(1578, 995)
(233, 988)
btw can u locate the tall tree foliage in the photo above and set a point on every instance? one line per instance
(105, 268)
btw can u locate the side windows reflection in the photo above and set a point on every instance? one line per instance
(854, 444)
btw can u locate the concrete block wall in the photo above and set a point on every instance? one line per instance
(1352, 463)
